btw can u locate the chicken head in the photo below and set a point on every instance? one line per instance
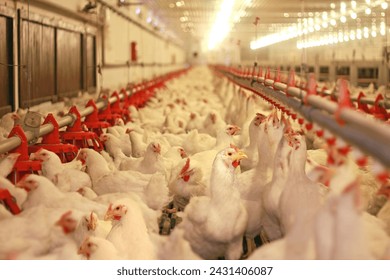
(186, 172)
(182, 153)
(82, 156)
(87, 247)
(41, 155)
(156, 147)
(232, 156)
(259, 119)
(115, 212)
(28, 183)
(232, 129)
(67, 222)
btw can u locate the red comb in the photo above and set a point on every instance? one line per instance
(185, 167)
(344, 100)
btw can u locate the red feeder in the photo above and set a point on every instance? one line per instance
(52, 142)
(75, 134)
(378, 111)
(362, 106)
(23, 165)
(9, 201)
(93, 122)
(107, 114)
(118, 108)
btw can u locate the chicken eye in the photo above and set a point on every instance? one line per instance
(89, 245)
(229, 154)
(117, 208)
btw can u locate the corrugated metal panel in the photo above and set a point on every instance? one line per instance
(69, 62)
(37, 47)
(91, 61)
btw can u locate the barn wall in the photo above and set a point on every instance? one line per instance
(62, 51)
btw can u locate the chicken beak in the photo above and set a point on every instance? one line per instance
(239, 155)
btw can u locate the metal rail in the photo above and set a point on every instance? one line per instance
(364, 100)
(369, 135)
(13, 142)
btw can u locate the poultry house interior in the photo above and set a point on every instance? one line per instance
(194, 130)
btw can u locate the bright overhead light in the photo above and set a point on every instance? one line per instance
(343, 8)
(353, 4)
(353, 15)
(332, 5)
(343, 19)
(384, 5)
(368, 1)
(179, 3)
(368, 11)
(221, 25)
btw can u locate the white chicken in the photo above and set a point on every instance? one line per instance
(66, 179)
(41, 191)
(384, 213)
(186, 182)
(98, 248)
(129, 233)
(19, 195)
(299, 191)
(91, 225)
(149, 164)
(104, 180)
(214, 225)
(7, 164)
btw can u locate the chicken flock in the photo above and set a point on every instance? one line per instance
(205, 170)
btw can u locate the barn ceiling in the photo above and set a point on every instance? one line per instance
(282, 19)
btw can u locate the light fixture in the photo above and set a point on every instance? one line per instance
(368, 11)
(384, 5)
(180, 4)
(221, 26)
(343, 7)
